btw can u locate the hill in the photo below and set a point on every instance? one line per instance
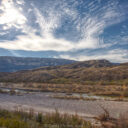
(87, 72)
(12, 64)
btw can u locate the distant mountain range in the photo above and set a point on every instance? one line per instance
(12, 64)
(87, 72)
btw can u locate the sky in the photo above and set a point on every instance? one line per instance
(70, 29)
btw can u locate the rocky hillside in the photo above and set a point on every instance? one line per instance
(95, 71)
(12, 64)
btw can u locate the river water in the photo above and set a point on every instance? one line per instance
(45, 102)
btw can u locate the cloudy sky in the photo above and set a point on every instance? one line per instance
(71, 29)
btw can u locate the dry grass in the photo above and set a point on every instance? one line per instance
(118, 91)
(21, 119)
(108, 122)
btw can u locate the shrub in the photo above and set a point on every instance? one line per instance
(21, 119)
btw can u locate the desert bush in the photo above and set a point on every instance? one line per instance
(105, 116)
(122, 122)
(108, 122)
(39, 118)
(12, 92)
(1, 91)
(126, 93)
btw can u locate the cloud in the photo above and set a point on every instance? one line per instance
(47, 24)
(116, 55)
(3, 33)
(87, 25)
(11, 16)
(36, 43)
(20, 2)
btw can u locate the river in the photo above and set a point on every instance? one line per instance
(45, 102)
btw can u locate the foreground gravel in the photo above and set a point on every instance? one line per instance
(42, 102)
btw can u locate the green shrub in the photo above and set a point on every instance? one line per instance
(13, 123)
(21, 119)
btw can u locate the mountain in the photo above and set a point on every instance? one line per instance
(95, 71)
(12, 64)
(92, 63)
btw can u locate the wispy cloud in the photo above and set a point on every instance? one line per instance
(47, 24)
(116, 55)
(11, 16)
(88, 20)
(20, 2)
